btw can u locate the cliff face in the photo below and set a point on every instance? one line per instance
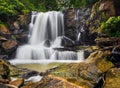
(86, 21)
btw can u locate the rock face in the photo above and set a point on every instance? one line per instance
(13, 35)
(75, 22)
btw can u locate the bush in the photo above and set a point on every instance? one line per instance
(10, 8)
(111, 27)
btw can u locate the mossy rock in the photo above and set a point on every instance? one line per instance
(13, 71)
(112, 78)
(4, 70)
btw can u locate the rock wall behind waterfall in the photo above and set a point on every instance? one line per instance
(13, 35)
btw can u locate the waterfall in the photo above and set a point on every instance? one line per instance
(46, 33)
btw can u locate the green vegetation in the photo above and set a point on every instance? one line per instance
(62, 4)
(11, 8)
(111, 27)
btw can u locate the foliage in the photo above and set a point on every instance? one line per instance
(62, 4)
(111, 27)
(50, 4)
(36, 5)
(9, 8)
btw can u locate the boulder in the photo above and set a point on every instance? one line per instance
(9, 44)
(30, 74)
(112, 78)
(47, 43)
(63, 41)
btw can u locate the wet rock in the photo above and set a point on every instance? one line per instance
(35, 78)
(29, 74)
(63, 41)
(112, 78)
(115, 57)
(9, 44)
(47, 43)
(18, 82)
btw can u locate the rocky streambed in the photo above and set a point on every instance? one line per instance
(100, 70)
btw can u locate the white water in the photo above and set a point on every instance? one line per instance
(45, 32)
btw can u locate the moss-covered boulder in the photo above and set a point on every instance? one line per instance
(112, 78)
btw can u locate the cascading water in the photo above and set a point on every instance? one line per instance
(46, 33)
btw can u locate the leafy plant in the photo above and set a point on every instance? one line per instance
(10, 8)
(111, 27)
